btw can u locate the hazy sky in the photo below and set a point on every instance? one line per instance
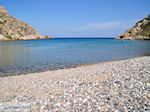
(79, 18)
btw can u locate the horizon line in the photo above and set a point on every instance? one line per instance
(83, 37)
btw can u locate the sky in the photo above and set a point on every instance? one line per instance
(79, 18)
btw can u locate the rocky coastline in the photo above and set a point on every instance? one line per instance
(31, 37)
(141, 31)
(12, 28)
(117, 86)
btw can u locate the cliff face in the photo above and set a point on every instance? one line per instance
(138, 32)
(14, 29)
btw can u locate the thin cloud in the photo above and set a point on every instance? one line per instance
(101, 26)
(99, 29)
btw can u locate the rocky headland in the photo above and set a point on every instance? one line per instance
(141, 31)
(118, 86)
(12, 28)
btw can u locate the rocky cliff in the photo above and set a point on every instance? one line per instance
(14, 29)
(140, 31)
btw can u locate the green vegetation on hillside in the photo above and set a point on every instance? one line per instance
(146, 29)
(1, 22)
(9, 37)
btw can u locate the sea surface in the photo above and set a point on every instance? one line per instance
(19, 57)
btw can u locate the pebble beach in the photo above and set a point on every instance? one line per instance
(117, 86)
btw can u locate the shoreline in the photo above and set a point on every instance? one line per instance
(97, 87)
(71, 67)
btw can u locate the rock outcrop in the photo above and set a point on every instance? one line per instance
(140, 31)
(14, 29)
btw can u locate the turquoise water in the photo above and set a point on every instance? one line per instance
(17, 57)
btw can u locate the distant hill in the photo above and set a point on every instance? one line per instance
(12, 28)
(138, 32)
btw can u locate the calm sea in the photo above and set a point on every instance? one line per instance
(17, 57)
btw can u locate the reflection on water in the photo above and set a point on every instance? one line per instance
(11, 53)
(146, 54)
(17, 57)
